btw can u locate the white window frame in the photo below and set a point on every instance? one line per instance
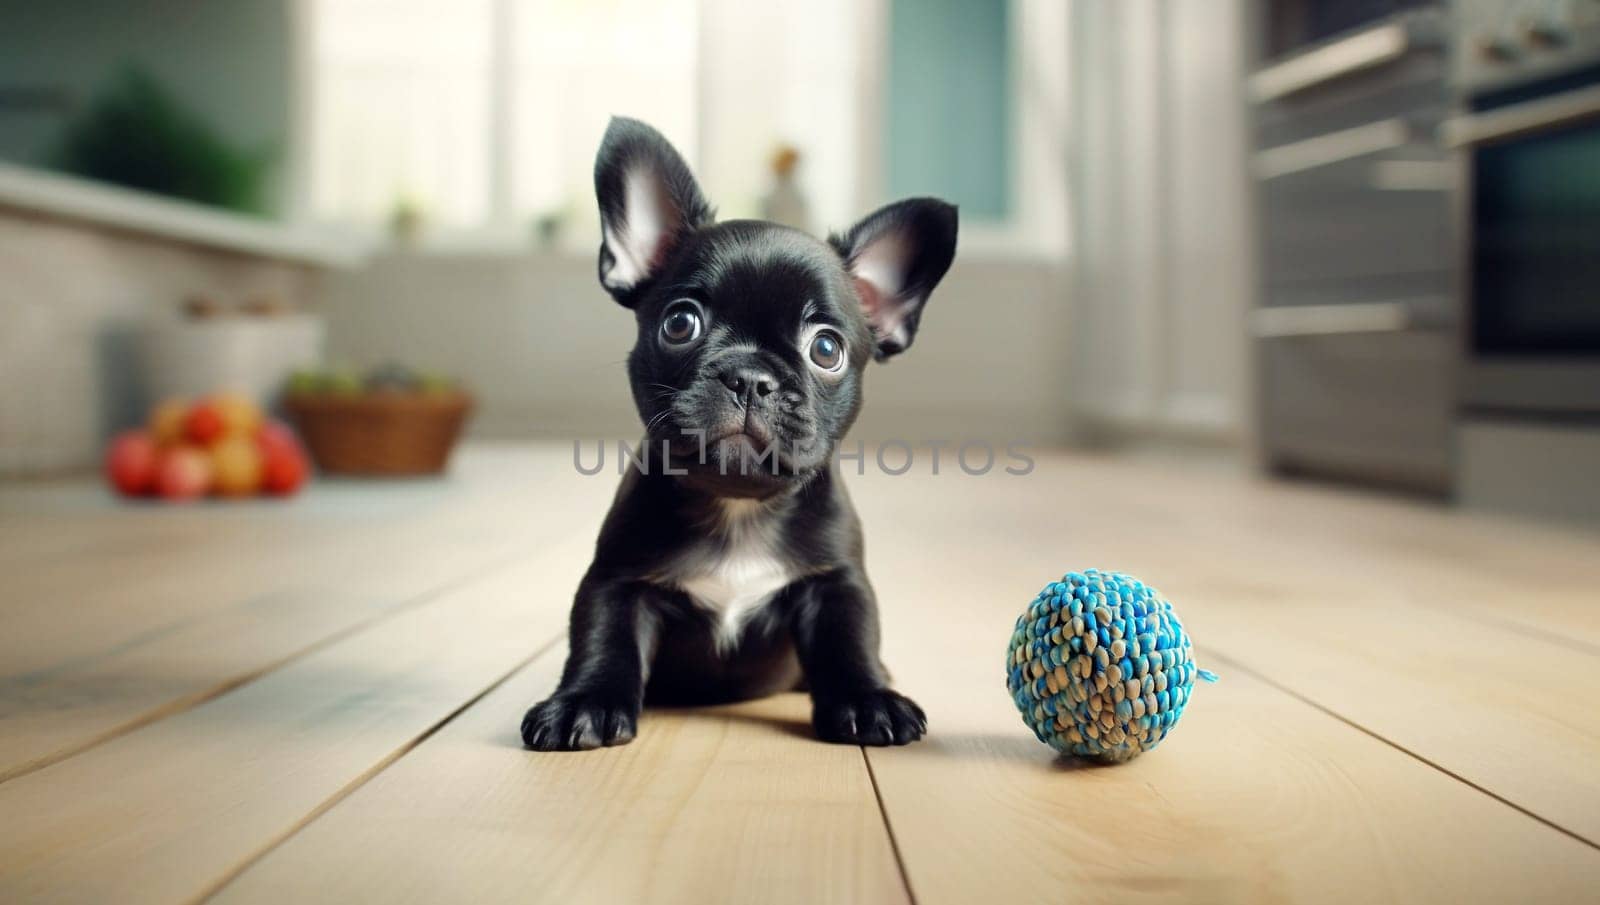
(1039, 225)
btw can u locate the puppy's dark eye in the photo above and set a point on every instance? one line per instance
(827, 350)
(682, 324)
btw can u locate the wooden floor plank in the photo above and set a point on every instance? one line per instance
(1422, 676)
(1512, 714)
(48, 715)
(127, 570)
(951, 592)
(1256, 796)
(731, 804)
(1534, 577)
(1418, 640)
(160, 814)
(1360, 629)
(154, 631)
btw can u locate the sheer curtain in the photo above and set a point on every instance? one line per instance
(400, 109)
(485, 114)
(1162, 239)
(576, 63)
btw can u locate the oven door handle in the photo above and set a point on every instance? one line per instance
(1330, 148)
(1521, 119)
(1357, 53)
(1331, 320)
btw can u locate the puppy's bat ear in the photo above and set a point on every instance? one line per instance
(896, 256)
(648, 202)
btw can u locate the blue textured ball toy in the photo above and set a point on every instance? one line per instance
(1100, 666)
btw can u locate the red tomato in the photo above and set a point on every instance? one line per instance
(183, 473)
(284, 468)
(131, 463)
(204, 424)
(276, 434)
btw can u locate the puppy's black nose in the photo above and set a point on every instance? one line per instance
(744, 382)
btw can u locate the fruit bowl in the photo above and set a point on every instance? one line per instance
(380, 432)
(221, 445)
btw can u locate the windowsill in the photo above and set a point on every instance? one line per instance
(478, 243)
(141, 213)
(983, 241)
(1005, 242)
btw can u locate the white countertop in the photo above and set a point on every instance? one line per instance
(71, 198)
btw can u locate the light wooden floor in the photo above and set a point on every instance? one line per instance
(318, 701)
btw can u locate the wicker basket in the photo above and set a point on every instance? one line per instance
(380, 433)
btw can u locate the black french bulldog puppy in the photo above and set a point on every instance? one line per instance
(730, 564)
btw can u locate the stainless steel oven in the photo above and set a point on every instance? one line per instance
(1356, 323)
(1526, 131)
(1528, 136)
(1428, 187)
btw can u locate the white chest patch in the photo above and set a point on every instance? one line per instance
(735, 578)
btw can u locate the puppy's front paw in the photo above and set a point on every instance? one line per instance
(876, 717)
(579, 721)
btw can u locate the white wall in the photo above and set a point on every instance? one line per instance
(543, 347)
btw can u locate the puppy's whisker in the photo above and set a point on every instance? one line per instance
(657, 419)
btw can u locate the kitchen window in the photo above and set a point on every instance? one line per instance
(474, 113)
(481, 117)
